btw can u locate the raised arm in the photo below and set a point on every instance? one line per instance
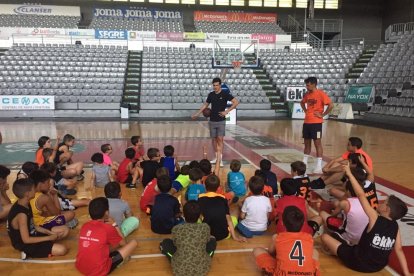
(370, 173)
(371, 213)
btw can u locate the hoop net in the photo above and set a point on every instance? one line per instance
(236, 66)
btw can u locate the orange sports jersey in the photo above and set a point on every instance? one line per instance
(39, 157)
(294, 254)
(315, 102)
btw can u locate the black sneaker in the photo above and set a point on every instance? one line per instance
(130, 185)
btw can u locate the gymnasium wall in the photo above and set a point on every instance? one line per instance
(366, 18)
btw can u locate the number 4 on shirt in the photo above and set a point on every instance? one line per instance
(296, 254)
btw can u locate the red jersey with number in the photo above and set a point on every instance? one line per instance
(315, 102)
(294, 254)
(95, 237)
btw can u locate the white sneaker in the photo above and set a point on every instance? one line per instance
(214, 161)
(318, 170)
(221, 164)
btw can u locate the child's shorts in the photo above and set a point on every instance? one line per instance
(116, 259)
(266, 263)
(335, 224)
(38, 250)
(129, 225)
(235, 222)
(54, 221)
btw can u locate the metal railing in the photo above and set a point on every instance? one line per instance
(324, 25)
(396, 30)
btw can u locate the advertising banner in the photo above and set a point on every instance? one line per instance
(167, 36)
(140, 35)
(108, 34)
(39, 10)
(295, 93)
(80, 32)
(194, 36)
(27, 102)
(6, 32)
(228, 36)
(264, 38)
(246, 17)
(359, 94)
(137, 12)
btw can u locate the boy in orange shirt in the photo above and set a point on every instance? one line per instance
(293, 249)
(313, 104)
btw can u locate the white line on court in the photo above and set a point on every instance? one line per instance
(15, 260)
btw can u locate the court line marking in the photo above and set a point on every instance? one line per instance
(16, 260)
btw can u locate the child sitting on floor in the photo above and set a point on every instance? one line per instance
(293, 249)
(101, 247)
(33, 241)
(101, 173)
(166, 210)
(191, 248)
(255, 211)
(216, 213)
(46, 208)
(170, 162)
(119, 210)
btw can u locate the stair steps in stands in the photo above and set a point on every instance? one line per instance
(275, 99)
(360, 64)
(132, 87)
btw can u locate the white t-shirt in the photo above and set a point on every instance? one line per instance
(256, 209)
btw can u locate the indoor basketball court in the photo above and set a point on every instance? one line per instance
(249, 141)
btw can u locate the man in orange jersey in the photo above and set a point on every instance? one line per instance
(293, 249)
(313, 104)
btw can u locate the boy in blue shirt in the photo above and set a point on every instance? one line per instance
(170, 162)
(236, 181)
(195, 188)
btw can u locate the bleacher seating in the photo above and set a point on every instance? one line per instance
(180, 78)
(391, 71)
(290, 67)
(238, 27)
(39, 21)
(81, 77)
(137, 24)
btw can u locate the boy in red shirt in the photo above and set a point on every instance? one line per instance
(96, 237)
(128, 173)
(289, 188)
(150, 191)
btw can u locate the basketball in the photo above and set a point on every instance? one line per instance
(207, 112)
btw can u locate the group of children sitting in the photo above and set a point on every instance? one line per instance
(359, 230)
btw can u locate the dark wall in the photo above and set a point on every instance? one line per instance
(398, 11)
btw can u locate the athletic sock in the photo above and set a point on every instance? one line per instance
(305, 159)
(319, 162)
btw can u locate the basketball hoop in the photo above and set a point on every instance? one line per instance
(236, 66)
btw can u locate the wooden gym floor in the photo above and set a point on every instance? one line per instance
(249, 141)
